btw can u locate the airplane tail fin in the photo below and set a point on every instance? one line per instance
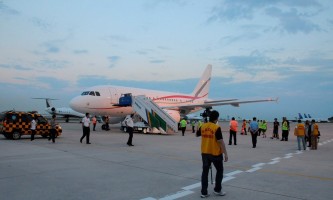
(300, 116)
(47, 100)
(202, 89)
(305, 116)
(309, 116)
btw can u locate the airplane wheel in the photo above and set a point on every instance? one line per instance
(67, 120)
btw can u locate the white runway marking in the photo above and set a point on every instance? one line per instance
(187, 190)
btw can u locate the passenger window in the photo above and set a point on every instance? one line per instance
(92, 93)
(13, 118)
(97, 93)
(24, 118)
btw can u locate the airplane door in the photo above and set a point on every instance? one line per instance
(114, 95)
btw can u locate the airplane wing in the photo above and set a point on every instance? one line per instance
(208, 104)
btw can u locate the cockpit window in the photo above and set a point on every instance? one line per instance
(97, 93)
(85, 93)
(92, 93)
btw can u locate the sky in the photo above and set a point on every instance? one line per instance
(258, 49)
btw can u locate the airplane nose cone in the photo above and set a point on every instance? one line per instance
(75, 104)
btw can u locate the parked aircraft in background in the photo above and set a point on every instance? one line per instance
(309, 118)
(104, 100)
(64, 111)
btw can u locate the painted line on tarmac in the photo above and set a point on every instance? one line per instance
(187, 190)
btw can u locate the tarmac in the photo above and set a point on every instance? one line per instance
(161, 167)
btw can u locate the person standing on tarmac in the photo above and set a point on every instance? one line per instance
(193, 126)
(276, 125)
(300, 133)
(183, 126)
(129, 125)
(244, 127)
(33, 128)
(233, 131)
(94, 121)
(86, 128)
(314, 135)
(212, 150)
(254, 128)
(264, 128)
(53, 128)
(308, 132)
(285, 129)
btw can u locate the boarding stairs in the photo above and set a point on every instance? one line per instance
(154, 115)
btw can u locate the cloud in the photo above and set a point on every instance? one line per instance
(157, 61)
(292, 21)
(254, 60)
(82, 51)
(243, 37)
(53, 83)
(40, 23)
(113, 60)
(4, 9)
(53, 64)
(15, 66)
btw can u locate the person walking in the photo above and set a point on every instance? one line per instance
(314, 135)
(53, 129)
(129, 125)
(212, 150)
(86, 128)
(233, 130)
(254, 128)
(276, 125)
(300, 133)
(94, 122)
(308, 132)
(193, 126)
(33, 128)
(183, 126)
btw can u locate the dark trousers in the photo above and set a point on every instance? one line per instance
(285, 134)
(254, 139)
(183, 130)
(232, 134)
(94, 127)
(276, 133)
(217, 161)
(130, 135)
(52, 135)
(193, 129)
(86, 133)
(33, 132)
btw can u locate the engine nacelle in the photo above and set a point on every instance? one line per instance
(53, 109)
(174, 114)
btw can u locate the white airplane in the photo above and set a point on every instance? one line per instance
(64, 111)
(104, 99)
(309, 118)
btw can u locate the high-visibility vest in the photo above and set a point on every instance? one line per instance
(285, 126)
(183, 123)
(199, 124)
(299, 130)
(209, 144)
(264, 126)
(315, 129)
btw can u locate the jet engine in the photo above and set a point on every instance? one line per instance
(174, 114)
(53, 110)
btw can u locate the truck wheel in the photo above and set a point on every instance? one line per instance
(144, 131)
(16, 135)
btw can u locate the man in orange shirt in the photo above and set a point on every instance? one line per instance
(233, 130)
(300, 133)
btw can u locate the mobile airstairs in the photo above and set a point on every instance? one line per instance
(159, 121)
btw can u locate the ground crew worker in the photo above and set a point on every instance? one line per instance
(314, 135)
(94, 121)
(183, 125)
(300, 133)
(264, 128)
(199, 124)
(285, 129)
(260, 127)
(212, 150)
(193, 126)
(276, 125)
(244, 127)
(233, 130)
